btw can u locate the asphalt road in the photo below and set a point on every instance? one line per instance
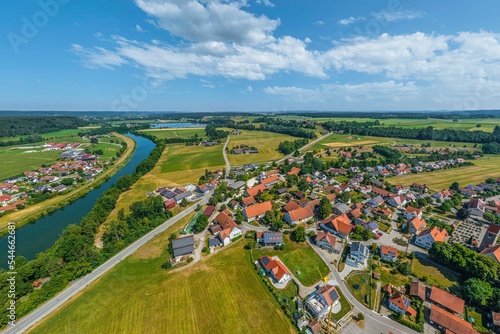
(228, 166)
(41, 312)
(392, 326)
(304, 147)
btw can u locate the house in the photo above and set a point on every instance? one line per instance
(268, 182)
(397, 202)
(495, 318)
(230, 229)
(275, 269)
(417, 289)
(443, 195)
(476, 207)
(247, 201)
(389, 253)
(358, 254)
(237, 185)
(254, 191)
(314, 327)
(429, 236)
(187, 195)
(490, 237)
(400, 189)
(421, 188)
(182, 246)
(319, 303)
(415, 225)
(376, 201)
(269, 238)
(169, 204)
(59, 188)
(446, 300)
(299, 215)
(257, 211)
(449, 323)
(493, 251)
(338, 225)
(411, 212)
(401, 304)
(294, 171)
(327, 242)
(341, 208)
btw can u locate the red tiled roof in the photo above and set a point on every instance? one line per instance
(225, 221)
(247, 201)
(418, 223)
(341, 223)
(255, 190)
(417, 289)
(301, 213)
(436, 233)
(270, 179)
(447, 300)
(493, 251)
(258, 209)
(278, 269)
(330, 239)
(389, 251)
(450, 322)
(290, 206)
(294, 171)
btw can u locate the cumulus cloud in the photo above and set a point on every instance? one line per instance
(265, 3)
(351, 20)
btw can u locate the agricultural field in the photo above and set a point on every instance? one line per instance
(487, 166)
(222, 293)
(188, 158)
(265, 142)
(176, 133)
(300, 257)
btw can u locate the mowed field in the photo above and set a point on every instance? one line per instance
(221, 294)
(266, 142)
(488, 166)
(176, 133)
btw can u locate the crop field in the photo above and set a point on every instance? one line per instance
(176, 133)
(266, 142)
(222, 293)
(184, 158)
(487, 166)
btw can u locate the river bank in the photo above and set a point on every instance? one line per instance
(37, 211)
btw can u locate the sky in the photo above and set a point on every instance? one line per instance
(249, 55)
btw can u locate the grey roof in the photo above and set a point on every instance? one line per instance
(272, 238)
(359, 247)
(237, 184)
(183, 246)
(180, 197)
(343, 208)
(214, 242)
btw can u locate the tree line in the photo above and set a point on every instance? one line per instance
(287, 147)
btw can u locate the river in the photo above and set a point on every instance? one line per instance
(34, 238)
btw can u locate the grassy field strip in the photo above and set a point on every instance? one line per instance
(37, 208)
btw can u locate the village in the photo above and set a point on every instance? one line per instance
(73, 167)
(359, 225)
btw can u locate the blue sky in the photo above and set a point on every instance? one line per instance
(249, 55)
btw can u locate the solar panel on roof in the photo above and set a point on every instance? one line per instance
(334, 295)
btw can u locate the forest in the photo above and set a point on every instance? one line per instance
(33, 125)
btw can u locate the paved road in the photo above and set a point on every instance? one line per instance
(304, 147)
(391, 325)
(228, 166)
(41, 312)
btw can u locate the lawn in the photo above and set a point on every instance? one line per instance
(480, 319)
(300, 257)
(220, 294)
(15, 162)
(487, 166)
(359, 284)
(346, 306)
(435, 276)
(266, 142)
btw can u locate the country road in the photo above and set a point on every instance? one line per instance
(41, 312)
(228, 166)
(305, 147)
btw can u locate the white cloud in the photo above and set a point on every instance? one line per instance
(98, 57)
(319, 23)
(265, 3)
(220, 21)
(351, 20)
(139, 28)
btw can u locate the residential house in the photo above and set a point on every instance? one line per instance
(182, 246)
(493, 251)
(269, 238)
(314, 327)
(421, 188)
(450, 323)
(294, 171)
(247, 201)
(255, 190)
(446, 300)
(401, 304)
(337, 225)
(230, 229)
(357, 255)
(237, 185)
(490, 237)
(268, 182)
(389, 253)
(415, 225)
(275, 269)
(411, 212)
(417, 290)
(341, 208)
(328, 242)
(257, 211)
(427, 237)
(319, 303)
(376, 201)
(443, 195)
(169, 203)
(397, 201)
(476, 207)
(59, 188)
(400, 189)
(299, 215)
(187, 195)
